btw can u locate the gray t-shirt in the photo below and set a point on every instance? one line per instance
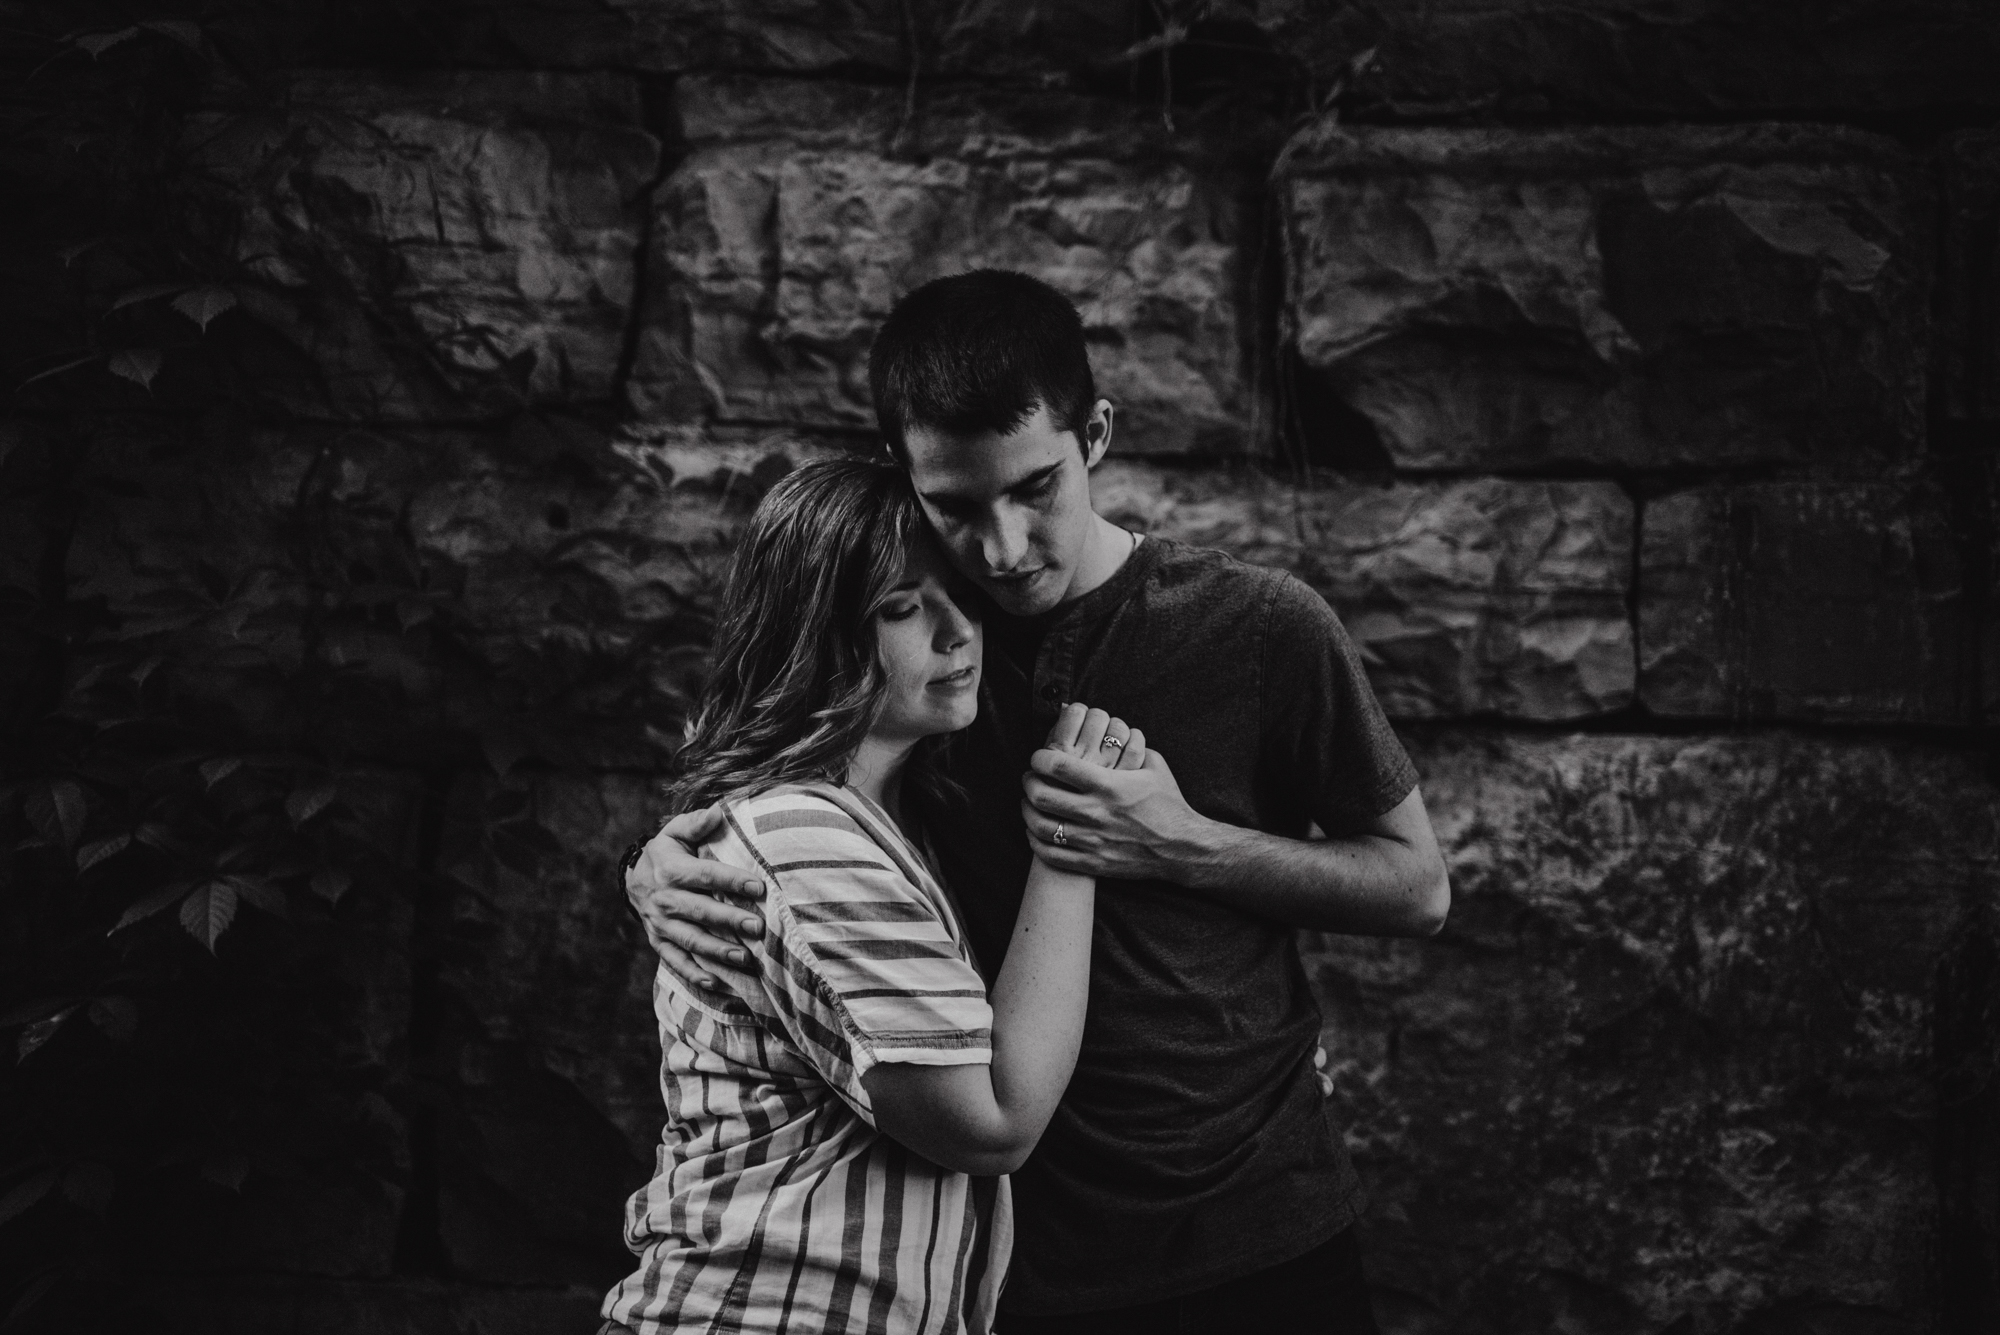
(1192, 1146)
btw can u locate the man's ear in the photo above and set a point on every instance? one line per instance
(1097, 432)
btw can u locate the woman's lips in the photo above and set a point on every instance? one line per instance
(952, 681)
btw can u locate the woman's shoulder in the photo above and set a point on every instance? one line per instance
(799, 820)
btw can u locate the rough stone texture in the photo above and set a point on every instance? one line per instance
(1669, 1064)
(1819, 600)
(439, 245)
(805, 209)
(1694, 58)
(545, 588)
(553, 1107)
(1634, 297)
(1968, 341)
(1465, 597)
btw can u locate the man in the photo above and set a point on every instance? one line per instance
(1190, 1177)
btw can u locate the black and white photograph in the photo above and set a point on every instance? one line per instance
(1000, 667)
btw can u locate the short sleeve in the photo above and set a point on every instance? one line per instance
(861, 966)
(1323, 731)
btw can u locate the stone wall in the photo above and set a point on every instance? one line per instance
(1629, 381)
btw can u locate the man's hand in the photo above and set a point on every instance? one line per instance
(1130, 823)
(692, 908)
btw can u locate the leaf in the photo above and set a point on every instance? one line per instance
(179, 30)
(40, 1032)
(71, 254)
(35, 1010)
(90, 1186)
(91, 854)
(216, 770)
(330, 883)
(308, 800)
(117, 1018)
(97, 43)
(226, 1170)
(260, 894)
(71, 808)
(147, 292)
(204, 304)
(24, 1196)
(208, 913)
(155, 834)
(138, 365)
(58, 370)
(29, 1297)
(152, 903)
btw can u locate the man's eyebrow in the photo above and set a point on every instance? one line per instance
(1022, 483)
(1039, 475)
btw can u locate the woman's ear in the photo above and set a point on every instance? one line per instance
(1097, 432)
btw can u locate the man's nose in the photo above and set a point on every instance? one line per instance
(1005, 542)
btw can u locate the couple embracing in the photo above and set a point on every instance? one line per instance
(963, 983)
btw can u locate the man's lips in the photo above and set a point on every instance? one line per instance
(1017, 576)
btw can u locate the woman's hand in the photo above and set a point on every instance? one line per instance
(1097, 738)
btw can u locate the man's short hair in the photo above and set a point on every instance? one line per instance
(976, 352)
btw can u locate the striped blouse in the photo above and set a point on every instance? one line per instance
(776, 1205)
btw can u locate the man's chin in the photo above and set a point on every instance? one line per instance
(1029, 599)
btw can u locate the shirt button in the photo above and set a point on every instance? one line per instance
(1051, 692)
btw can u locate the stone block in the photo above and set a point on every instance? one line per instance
(553, 1108)
(805, 209)
(1669, 1065)
(1622, 58)
(1639, 298)
(422, 594)
(437, 245)
(1968, 343)
(1038, 39)
(1465, 597)
(1816, 600)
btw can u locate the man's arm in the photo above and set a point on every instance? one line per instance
(1386, 879)
(688, 905)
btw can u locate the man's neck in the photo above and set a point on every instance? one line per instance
(1109, 548)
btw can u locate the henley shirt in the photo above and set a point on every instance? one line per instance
(1192, 1145)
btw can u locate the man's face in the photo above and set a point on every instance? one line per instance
(1013, 511)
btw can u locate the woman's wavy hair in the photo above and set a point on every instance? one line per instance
(796, 682)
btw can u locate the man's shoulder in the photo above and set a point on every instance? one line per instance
(1209, 583)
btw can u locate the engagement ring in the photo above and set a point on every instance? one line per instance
(1061, 836)
(1111, 741)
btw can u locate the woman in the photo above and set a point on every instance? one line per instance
(839, 1123)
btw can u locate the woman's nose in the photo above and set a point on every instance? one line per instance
(954, 628)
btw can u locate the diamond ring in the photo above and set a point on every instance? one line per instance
(1061, 836)
(1111, 741)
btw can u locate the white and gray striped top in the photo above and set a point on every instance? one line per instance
(776, 1206)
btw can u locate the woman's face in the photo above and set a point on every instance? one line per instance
(930, 652)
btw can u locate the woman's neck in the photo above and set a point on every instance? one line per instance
(877, 771)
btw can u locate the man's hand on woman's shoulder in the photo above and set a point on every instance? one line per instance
(692, 907)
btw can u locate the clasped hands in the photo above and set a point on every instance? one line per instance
(1127, 821)
(1121, 816)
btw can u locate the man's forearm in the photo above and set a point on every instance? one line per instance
(1366, 884)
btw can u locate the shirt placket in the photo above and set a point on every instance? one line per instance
(1055, 674)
